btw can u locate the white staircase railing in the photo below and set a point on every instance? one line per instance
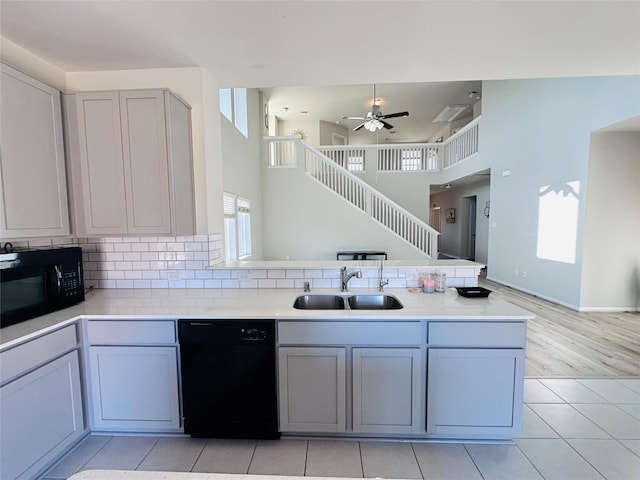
(358, 193)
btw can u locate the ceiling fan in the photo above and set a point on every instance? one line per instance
(375, 119)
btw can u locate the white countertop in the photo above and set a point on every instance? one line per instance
(260, 303)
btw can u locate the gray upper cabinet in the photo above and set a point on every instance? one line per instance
(33, 186)
(131, 163)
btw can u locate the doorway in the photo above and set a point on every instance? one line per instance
(468, 233)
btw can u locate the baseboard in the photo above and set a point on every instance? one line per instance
(535, 294)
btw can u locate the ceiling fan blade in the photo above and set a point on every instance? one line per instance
(395, 115)
(386, 125)
(354, 118)
(359, 127)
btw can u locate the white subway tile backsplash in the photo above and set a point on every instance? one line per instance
(122, 247)
(266, 283)
(313, 273)
(185, 262)
(204, 274)
(222, 274)
(284, 283)
(213, 284)
(139, 247)
(294, 273)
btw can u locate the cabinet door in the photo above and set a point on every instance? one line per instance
(33, 187)
(146, 163)
(134, 388)
(475, 391)
(312, 389)
(100, 164)
(386, 390)
(40, 416)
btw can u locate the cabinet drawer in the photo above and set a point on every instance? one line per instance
(28, 355)
(131, 332)
(348, 333)
(477, 334)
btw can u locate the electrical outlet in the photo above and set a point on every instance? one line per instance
(244, 276)
(173, 275)
(524, 274)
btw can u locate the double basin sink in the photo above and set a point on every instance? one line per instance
(350, 302)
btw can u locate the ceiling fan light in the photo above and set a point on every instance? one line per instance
(373, 125)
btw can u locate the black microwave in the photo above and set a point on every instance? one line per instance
(37, 282)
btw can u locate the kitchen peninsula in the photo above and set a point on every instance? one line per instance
(443, 367)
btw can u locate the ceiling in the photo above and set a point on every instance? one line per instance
(438, 50)
(266, 43)
(423, 101)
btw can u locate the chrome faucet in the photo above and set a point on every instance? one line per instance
(345, 277)
(381, 282)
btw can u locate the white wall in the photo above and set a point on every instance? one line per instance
(537, 132)
(329, 128)
(241, 172)
(305, 221)
(310, 127)
(611, 252)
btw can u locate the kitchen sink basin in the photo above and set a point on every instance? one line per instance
(353, 302)
(374, 302)
(319, 302)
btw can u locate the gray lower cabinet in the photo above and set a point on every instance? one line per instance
(350, 376)
(41, 413)
(33, 186)
(133, 376)
(131, 158)
(475, 391)
(134, 388)
(386, 390)
(312, 389)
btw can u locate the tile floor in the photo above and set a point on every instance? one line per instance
(572, 429)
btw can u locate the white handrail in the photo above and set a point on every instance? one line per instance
(361, 195)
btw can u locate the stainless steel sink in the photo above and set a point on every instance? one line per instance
(319, 302)
(374, 302)
(353, 302)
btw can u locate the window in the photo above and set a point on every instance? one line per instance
(240, 110)
(243, 213)
(237, 227)
(411, 160)
(226, 105)
(233, 105)
(355, 164)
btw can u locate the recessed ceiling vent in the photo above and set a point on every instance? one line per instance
(450, 113)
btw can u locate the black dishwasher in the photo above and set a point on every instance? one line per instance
(229, 378)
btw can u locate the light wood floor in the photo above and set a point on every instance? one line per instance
(564, 343)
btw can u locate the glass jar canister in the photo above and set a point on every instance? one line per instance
(428, 283)
(440, 281)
